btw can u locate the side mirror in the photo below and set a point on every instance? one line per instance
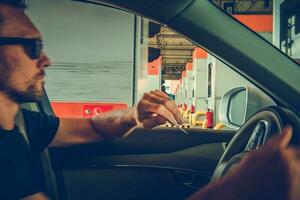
(240, 103)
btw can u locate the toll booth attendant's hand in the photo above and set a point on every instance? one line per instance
(271, 172)
(155, 108)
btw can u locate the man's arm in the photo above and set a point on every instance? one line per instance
(104, 126)
(155, 108)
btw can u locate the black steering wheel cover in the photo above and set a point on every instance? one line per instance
(277, 118)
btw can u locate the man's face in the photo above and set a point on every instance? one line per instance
(21, 76)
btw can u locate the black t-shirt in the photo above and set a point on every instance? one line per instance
(18, 158)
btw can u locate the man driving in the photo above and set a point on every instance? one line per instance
(22, 71)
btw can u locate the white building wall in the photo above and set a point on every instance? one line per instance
(276, 22)
(183, 91)
(200, 74)
(189, 87)
(153, 82)
(296, 46)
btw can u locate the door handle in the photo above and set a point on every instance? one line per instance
(191, 185)
(190, 180)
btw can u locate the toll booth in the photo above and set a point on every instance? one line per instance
(183, 89)
(200, 79)
(220, 78)
(177, 93)
(154, 74)
(189, 85)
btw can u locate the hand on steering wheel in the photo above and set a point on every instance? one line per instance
(271, 172)
(254, 133)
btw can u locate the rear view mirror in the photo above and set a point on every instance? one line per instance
(239, 104)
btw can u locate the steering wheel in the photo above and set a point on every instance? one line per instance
(254, 133)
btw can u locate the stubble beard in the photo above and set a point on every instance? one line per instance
(31, 94)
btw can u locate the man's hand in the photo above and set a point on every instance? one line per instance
(271, 172)
(155, 108)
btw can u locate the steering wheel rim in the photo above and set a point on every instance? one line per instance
(275, 119)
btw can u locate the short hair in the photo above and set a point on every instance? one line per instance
(21, 4)
(15, 3)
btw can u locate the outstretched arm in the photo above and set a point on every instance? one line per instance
(155, 108)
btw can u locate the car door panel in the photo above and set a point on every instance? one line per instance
(149, 164)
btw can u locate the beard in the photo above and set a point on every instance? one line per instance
(32, 94)
(8, 86)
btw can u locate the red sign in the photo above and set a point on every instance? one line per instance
(92, 110)
(82, 109)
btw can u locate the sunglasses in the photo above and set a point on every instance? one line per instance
(32, 46)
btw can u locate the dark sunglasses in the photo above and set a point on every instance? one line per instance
(32, 46)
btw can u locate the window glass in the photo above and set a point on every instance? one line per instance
(105, 59)
(92, 53)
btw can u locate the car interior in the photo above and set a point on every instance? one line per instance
(164, 162)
